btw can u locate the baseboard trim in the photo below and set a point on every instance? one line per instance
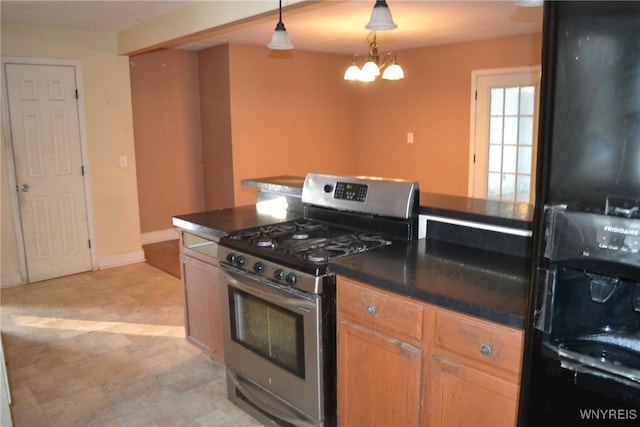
(120, 259)
(10, 279)
(159, 236)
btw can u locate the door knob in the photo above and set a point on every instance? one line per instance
(25, 187)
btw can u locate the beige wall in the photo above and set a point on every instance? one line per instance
(268, 113)
(166, 117)
(108, 130)
(284, 113)
(215, 111)
(433, 102)
(291, 113)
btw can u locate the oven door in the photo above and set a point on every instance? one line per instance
(272, 345)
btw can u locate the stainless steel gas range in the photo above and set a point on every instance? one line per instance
(279, 315)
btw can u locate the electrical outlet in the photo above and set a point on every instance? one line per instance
(123, 162)
(409, 137)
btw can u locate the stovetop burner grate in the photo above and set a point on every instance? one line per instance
(307, 240)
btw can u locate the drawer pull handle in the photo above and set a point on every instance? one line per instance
(371, 308)
(486, 349)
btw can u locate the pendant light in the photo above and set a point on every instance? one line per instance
(381, 19)
(280, 39)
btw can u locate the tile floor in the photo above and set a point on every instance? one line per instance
(107, 348)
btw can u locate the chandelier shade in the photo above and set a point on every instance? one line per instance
(373, 68)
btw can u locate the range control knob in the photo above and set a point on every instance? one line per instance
(258, 267)
(278, 274)
(328, 188)
(240, 261)
(231, 257)
(291, 279)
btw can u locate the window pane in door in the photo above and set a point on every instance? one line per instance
(527, 98)
(495, 158)
(497, 94)
(510, 130)
(525, 135)
(493, 185)
(508, 186)
(524, 185)
(511, 101)
(509, 160)
(495, 130)
(524, 160)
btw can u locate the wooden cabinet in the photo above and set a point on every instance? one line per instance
(403, 362)
(379, 357)
(201, 288)
(474, 372)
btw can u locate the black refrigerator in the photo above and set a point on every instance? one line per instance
(582, 337)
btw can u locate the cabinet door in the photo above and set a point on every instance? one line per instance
(203, 321)
(378, 378)
(462, 395)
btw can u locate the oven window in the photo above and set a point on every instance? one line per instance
(269, 330)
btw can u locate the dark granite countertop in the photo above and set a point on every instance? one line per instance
(217, 223)
(277, 184)
(505, 214)
(477, 282)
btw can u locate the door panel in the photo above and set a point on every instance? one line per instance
(45, 132)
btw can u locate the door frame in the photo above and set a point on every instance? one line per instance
(474, 111)
(11, 172)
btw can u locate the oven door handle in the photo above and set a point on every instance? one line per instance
(254, 286)
(298, 419)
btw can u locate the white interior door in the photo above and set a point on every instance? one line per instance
(43, 113)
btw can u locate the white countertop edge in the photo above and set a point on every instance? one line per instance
(422, 226)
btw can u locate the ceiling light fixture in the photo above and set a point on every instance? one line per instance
(373, 67)
(280, 39)
(381, 19)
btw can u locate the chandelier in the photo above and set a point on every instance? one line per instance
(373, 67)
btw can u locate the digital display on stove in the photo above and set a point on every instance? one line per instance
(350, 191)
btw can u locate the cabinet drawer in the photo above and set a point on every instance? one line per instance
(198, 247)
(381, 310)
(483, 341)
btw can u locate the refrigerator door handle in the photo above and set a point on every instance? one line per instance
(544, 300)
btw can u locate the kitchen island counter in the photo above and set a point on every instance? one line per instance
(477, 282)
(285, 184)
(471, 280)
(490, 212)
(217, 223)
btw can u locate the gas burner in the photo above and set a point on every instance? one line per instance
(318, 255)
(300, 235)
(264, 242)
(324, 254)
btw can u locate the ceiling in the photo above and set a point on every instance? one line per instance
(325, 26)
